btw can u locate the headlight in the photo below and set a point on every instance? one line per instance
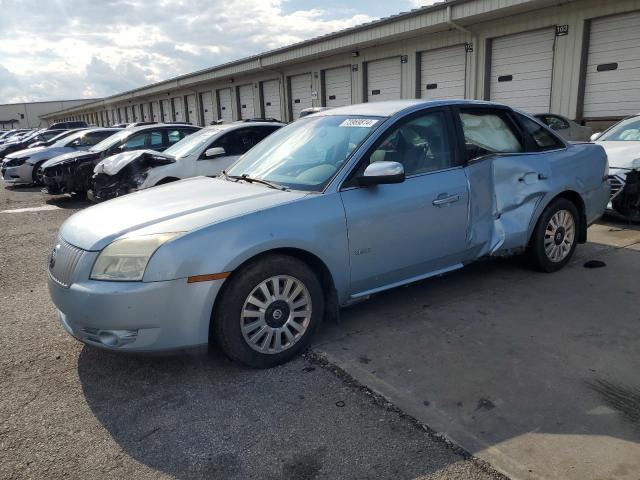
(126, 260)
(15, 162)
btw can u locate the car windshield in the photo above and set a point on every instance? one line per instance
(67, 139)
(191, 143)
(626, 131)
(109, 142)
(306, 154)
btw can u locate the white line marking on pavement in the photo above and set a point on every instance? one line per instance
(43, 208)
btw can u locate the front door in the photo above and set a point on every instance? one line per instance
(406, 231)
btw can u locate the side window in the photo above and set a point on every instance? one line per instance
(263, 132)
(489, 131)
(174, 136)
(420, 144)
(556, 123)
(135, 141)
(237, 142)
(93, 138)
(543, 139)
(155, 139)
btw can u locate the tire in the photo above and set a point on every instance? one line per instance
(256, 345)
(36, 175)
(555, 237)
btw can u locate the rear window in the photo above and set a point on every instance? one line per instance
(542, 137)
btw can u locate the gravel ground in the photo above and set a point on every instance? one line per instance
(75, 412)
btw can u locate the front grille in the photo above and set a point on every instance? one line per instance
(617, 184)
(63, 261)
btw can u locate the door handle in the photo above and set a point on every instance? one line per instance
(442, 200)
(531, 177)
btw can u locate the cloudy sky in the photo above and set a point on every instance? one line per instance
(66, 49)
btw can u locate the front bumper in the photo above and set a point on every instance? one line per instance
(135, 316)
(20, 174)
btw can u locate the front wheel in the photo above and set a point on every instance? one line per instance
(555, 237)
(37, 174)
(269, 311)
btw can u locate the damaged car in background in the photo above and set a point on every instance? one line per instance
(207, 153)
(72, 172)
(25, 166)
(622, 144)
(327, 211)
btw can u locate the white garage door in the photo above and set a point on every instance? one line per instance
(192, 114)
(245, 100)
(178, 109)
(225, 112)
(300, 94)
(442, 73)
(384, 79)
(613, 67)
(337, 87)
(155, 111)
(145, 112)
(167, 116)
(206, 103)
(522, 69)
(271, 104)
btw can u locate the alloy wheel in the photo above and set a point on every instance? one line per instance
(559, 236)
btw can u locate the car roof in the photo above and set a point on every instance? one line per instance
(242, 124)
(159, 125)
(391, 107)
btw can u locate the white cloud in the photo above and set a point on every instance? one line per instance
(76, 48)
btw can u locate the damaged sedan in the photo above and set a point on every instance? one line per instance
(622, 144)
(327, 211)
(72, 172)
(206, 153)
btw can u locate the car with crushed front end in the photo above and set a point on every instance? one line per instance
(72, 172)
(24, 167)
(207, 153)
(326, 211)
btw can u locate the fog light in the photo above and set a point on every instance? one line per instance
(111, 338)
(108, 338)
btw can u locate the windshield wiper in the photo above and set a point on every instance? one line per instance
(249, 179)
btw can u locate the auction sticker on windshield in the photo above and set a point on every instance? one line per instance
(359, 122)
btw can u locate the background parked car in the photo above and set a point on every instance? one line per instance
(621, 141)
(206, 152)
(72, 172)
(24, 166)
(567, 129)
(68, 125)
(19, 143)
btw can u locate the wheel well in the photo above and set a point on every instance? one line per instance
(311, 260)
(167, 180)
(576, 199)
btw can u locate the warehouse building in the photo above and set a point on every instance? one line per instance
(578, 58)
(29, 115)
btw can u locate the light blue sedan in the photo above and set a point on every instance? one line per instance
(329, 210)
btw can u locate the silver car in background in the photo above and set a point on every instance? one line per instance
(326, 211)
(23, 167)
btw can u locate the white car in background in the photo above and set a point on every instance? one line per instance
(204, 153)
(622, 144)
(567, 129)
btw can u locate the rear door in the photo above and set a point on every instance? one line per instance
(402, 232)
(517, 149)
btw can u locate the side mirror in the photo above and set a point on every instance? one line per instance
(595, 136)
(379, 173)
(214, 152)
(75, 143)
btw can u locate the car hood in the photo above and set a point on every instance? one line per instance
(621, 154)
(113, 164)
(27, 152)
(69, 158)
(176, 207)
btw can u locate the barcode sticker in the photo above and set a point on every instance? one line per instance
(359, 122)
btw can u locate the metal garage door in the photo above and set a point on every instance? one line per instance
(155, 111)
(271, 105)
(178, 109)
(522, 69)
(206, 107)
(245, 102)
(613, 67)
(337, 87)
(225, 112)
(167, 115)
(300, 88)
(443, 72)
(145, 112)
(192, 115)
(384, 80)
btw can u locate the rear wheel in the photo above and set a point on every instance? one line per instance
(269, 311)
(555, 237)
